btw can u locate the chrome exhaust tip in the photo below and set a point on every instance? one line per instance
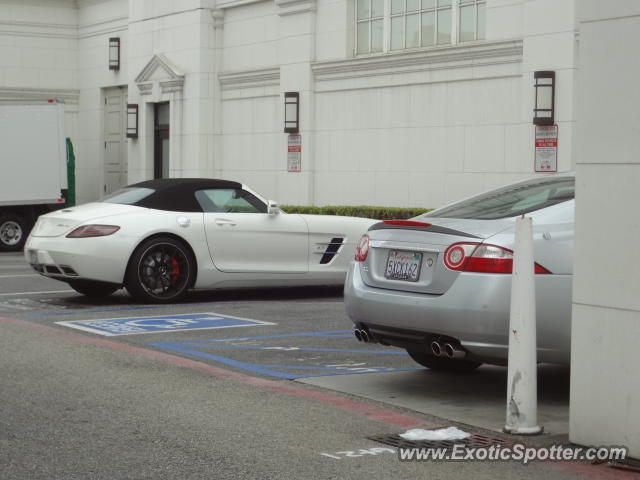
(436, 349)
(454, 351)
(357, 334)
(365, 336)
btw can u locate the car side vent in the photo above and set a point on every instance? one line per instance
(332, 249)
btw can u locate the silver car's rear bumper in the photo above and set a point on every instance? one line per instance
(475, 311)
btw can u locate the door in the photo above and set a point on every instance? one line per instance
(115, 154)
(161, 141)
(243, 237)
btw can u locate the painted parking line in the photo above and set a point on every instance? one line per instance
(35, 293)
(219, 350)
(132, 308)
(21, 275)
(97, 310)
(160, 323)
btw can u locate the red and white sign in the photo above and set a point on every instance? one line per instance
(294, 153)
(546, 158)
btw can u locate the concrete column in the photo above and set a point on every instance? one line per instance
(605, 378)
(549, 43)
(215, 149)
(296, 52)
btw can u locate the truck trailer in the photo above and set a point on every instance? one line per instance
(33, 175)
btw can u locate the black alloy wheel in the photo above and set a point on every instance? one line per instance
(161, 271)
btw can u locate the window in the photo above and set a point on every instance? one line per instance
(392, 25)
(420, 23)
(229, 200)
(512, 200)
(369, 25)
(472, 20)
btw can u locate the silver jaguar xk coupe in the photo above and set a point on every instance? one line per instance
(439, 285)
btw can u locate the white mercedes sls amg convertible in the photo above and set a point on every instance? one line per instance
(161, 238)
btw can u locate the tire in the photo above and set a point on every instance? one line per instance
(161, 270)
(441, 364)
(13, 232)
(94, 289)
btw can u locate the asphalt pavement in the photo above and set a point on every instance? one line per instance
(244, 384)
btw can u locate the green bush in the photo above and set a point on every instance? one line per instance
(380, 213)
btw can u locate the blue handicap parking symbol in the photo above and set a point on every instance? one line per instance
(299, 346)
(162, 323)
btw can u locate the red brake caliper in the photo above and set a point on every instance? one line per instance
(175, 271)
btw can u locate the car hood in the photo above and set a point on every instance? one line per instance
(61, 222)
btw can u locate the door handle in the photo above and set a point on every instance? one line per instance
(222, 222)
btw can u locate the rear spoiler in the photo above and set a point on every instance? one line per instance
(419, 226)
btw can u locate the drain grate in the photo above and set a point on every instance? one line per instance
(628, 464)
(474, 441)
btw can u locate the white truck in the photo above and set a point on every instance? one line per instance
(33, 167)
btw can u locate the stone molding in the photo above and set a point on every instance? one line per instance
(250, 78)
(174, 77)
(454, 57)
(292, 7)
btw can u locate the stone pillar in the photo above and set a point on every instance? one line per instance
(605, 378)
(215, 149)
(296, 52)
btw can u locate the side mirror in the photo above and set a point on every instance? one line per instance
(273, 208)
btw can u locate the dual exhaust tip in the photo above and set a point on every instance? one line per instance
(447, 350)
(363, 336)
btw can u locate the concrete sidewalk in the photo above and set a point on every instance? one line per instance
(477, 398)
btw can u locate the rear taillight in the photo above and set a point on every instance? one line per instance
(482, 258)
(86, 231)
(362, 250)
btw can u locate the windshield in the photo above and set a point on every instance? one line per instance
(128, 196)
(512, 200)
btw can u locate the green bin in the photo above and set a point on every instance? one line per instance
(71, 174)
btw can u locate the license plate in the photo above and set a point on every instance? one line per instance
(403, 265)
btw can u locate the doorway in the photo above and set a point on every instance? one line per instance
(115, 145)
(161, 140)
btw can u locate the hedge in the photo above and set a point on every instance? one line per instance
(380, 213)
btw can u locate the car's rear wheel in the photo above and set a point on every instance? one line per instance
(441, 363)
(13, 232)
(161, 270)
(94, 289)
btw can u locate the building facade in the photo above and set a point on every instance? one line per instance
(401, 102)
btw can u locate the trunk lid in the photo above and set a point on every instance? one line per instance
(422, 249)
(61, 222)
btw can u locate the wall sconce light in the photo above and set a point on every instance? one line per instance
(291, 112)
(543, 113)
(114, 53)
(132, 120)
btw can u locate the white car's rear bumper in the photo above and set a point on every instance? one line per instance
(101, 259)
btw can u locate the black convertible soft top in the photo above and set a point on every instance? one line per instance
(178, 194)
